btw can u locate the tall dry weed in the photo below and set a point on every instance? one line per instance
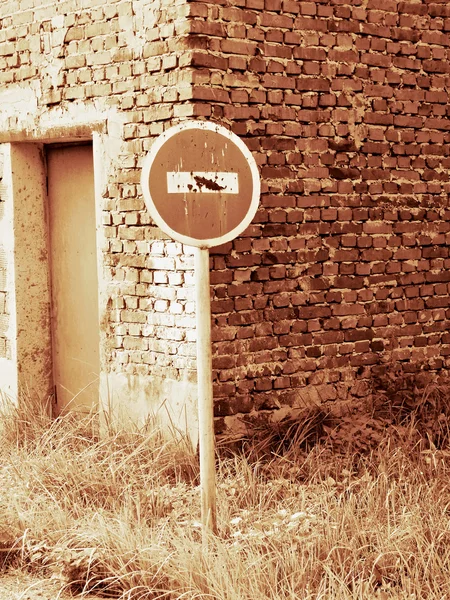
(308, 514)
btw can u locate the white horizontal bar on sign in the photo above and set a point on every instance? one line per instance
(183, 182)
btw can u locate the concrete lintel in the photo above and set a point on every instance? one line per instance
(43, 134)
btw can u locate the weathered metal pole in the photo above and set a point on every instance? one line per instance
(205, 392)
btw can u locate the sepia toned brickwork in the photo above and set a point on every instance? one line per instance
(344, 105)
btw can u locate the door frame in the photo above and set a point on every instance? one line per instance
(29, 368)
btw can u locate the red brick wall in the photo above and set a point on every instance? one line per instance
(345, 106)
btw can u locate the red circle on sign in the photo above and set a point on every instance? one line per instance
(200, 184)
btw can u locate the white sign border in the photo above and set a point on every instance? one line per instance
(151, 207)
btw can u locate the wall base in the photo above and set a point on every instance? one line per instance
(130, 401)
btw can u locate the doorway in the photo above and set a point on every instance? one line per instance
(73, 276)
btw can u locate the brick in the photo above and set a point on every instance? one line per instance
(279, 82)
(208, 60)
(276, 21)
(316, 54)
(238, 47)
(312, 84)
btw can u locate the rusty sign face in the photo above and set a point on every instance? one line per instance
(200, 184)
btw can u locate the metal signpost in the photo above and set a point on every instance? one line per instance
(201, 186)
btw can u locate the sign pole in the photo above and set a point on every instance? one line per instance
(205, 392)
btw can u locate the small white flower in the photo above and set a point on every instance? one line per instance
(236, 520)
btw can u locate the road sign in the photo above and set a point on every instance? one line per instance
(200, 184)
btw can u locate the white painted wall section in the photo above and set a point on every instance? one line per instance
(8, 366)
(131, 401)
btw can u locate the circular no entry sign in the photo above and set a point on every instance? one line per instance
(200, 184)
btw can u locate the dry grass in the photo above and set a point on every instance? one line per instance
(309, 516)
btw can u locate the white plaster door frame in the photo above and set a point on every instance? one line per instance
(29, 368)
